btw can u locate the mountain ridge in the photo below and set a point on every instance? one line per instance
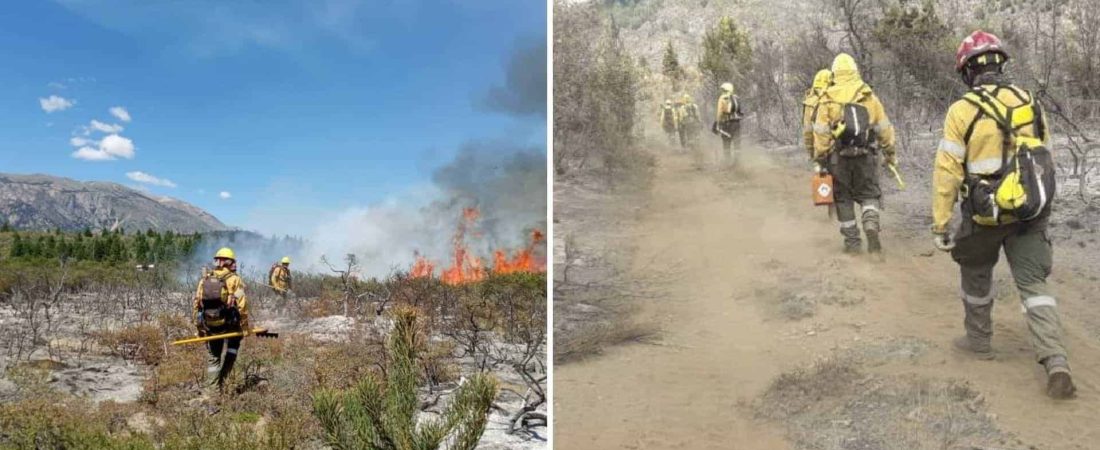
(43, 201)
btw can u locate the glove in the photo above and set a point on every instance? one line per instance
(890, 160)
(943, 242)
(200, 324)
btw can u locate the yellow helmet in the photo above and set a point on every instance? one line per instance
(225, 253)
(844, 64)
(686, 98)
(285, 260)
(822, 79)
(668, 102)
(727, 87)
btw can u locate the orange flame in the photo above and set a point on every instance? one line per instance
(466, 267)
(422, 267)
(523, 260)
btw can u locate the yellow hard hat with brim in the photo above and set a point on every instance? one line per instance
(225, 253)
(285, 260)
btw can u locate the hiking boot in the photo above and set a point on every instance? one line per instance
(1059, 382)
(873, 243)
(982, 351)
(853, 245)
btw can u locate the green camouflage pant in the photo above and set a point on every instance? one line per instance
(1029, 255)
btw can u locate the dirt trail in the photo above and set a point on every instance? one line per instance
(726, 249)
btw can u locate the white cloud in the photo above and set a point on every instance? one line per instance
(118, 146)
(92, 154)
(121, 113)
(109, 128)
(78, 141)
(142, 177)
(55, 103)
(111, 147)
(224, 195)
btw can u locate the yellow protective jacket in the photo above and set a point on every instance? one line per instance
(809, 113)
(672, 119)
(729, 108)
(234, 287)
(280, 278)
(982, 152)
(687, 114)
(848, 87)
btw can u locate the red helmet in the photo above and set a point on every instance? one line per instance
(979, 42)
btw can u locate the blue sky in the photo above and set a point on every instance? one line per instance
(293, 108)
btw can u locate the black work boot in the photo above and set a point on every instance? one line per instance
(1059, 382)
(853, 245)
(979, 330)
(871, 226)
(980, 350)
(873, 243)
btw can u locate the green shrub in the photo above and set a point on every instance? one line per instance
(382, 415)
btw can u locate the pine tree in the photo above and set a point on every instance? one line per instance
(141, 248)
(382, 415)
(6, 228)
(727, 54)
(16, 250)
(671, 65)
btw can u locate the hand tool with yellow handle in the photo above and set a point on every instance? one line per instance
(897, 176)
(259, 332)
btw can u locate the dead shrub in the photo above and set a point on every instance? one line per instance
(141, 343)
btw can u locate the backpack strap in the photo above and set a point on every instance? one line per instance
(858, 91)
(988, 104)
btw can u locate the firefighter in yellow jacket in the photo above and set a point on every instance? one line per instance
(279, 277)
(809, 108)
(669, 121)
(727, 122)
(973, 151)
(687, 116)
(221, 306)
(850, 130)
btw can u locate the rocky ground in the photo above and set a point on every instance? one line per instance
(96, 375)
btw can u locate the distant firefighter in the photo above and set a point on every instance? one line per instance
(279, 277)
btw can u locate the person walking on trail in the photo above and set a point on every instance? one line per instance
(727, 122)
(221, 306)
(669, 122)
(279, 277)
(687, 115)
(809, 108)
(850, 130)
(992, 151)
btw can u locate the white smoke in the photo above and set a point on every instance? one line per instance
(506, 183)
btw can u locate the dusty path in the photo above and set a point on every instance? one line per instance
(727, 248)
